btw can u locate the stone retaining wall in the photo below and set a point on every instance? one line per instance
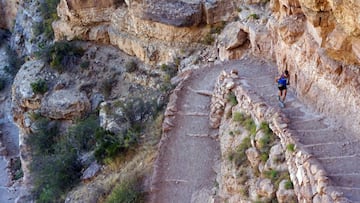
(310, 180)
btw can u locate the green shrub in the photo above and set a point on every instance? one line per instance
(254, 16)
(2, 83)
(82, 135)
(39, 87)
(232, 99)
(244, 191)
(166, 87)
(238, 117)
(250, 125)
(239, 156)
(271, 174)
(137, 111)
(127, 192)
(14, 61)
(55, 166)
(290, 147)
(289, 185)
(209, 39)
(43, 139)
(85, 64)
(264, 157)
(131, 66)
(106, 87)
(54, 174)
(4, 35)
(49, 14)
(264, 143)
(217, 28)
(170, 70)
(61, 55)
(16, 169)
(109, 145)
(265, 128)
(280, 177)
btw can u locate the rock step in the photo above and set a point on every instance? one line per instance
(352, 193)
(351, 180)
(334, 149)
(193, 125)
(308, 125)
(168, 194)
(319, 137)
(341, 164)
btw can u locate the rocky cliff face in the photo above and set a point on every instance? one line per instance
(152, 31)
(316, 41)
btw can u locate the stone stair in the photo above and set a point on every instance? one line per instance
(185, 170)
(336, 148)
(186, 162)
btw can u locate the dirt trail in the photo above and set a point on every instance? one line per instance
(187, 164)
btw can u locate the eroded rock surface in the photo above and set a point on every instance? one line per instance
(176, 13)
(8, 11)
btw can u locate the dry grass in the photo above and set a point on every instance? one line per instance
(136, 163)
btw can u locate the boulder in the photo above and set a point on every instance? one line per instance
(91, 171)
(216, 11)
(285, 195)
(176, 13)
(253, 156)
(65, 104)
(23, 95)
(232, 36)
(265, 188)
(232, 42)
(276, 159)
(291, 28)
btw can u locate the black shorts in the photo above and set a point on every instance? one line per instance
(282, 88)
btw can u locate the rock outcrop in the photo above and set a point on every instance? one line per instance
(153, 31)
(8, 11)
(65, 104)
(175, 13)
(24, 39)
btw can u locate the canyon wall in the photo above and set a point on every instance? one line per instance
(324, 59)
(318, 42)
(153, 31)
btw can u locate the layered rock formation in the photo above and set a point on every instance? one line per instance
(153, 31)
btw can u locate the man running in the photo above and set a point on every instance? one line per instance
(283, 81)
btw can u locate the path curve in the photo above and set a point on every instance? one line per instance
(187, 164)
